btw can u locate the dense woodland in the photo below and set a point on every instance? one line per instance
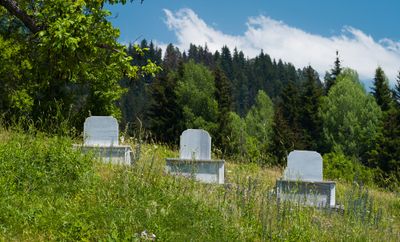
(261, 108)
(62, 62)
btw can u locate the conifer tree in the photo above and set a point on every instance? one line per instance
(291, 107)
(172, 58)
(381, 90)
(396, 92)
(282, 138)
(386, 152)
(223, 94)
(310, 100)
(240, 84)
(136, 101)
(165, 113)
(226, 62)
(330, 77)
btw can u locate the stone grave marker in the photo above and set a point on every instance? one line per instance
(195, 144)
(100, 136)
(303, 165)
(302, 181)
(195, 158)
(101, 131)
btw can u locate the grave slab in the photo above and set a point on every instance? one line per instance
(303, 165)
(208, 171)
(100, 137)
(302, 181)
(195, 158)
(318, 194)
(101, 131)
(195, 144)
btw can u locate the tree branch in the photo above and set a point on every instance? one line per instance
(108, 47)
(30, 23)
(14, 9)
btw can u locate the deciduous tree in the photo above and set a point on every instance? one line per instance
(195, 95)
(72, 54)
(350, 116)
(259, 121)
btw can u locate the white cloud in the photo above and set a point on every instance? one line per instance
(357, 49)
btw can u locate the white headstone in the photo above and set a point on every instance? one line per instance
(304, 165)
(195, 144)
(101, 131)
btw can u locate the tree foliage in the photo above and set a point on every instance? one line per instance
(331, 77)
(223, 94)
(309, 119)
(350, 116)
(396, 93)
(259, 121)
(72, 55)
(165, 114)
(381, 90)
(195, 95)
(386, 152)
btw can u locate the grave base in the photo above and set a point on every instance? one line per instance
(319, 194)
(120, 154)
(207, 171)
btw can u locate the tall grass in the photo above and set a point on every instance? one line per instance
(51, 192)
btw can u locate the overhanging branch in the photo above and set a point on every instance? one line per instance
(15, 10)
(30, 23)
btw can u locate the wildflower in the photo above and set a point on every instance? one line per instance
(147, 236)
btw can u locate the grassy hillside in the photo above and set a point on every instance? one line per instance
(51, 192)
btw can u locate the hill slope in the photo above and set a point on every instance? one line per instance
(51, 192)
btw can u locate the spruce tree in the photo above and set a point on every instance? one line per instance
(309, 120)
(226, 62)
(381, 90)
(193, 53)
(240, 84)
(136, 101)
(396, 92)
(164, 113)
(287, 133)
(386, 153)
(283, 138)
(330, 77)
(172, 57)
(291, 110)
(224, 98)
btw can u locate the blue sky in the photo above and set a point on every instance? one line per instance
(366, 33)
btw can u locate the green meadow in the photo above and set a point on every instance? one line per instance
(49, 191)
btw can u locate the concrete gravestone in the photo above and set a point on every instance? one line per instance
(195, 158)
(101, 131)
(100, 135)
(303, 165)
(303, 180)
(195, 144)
